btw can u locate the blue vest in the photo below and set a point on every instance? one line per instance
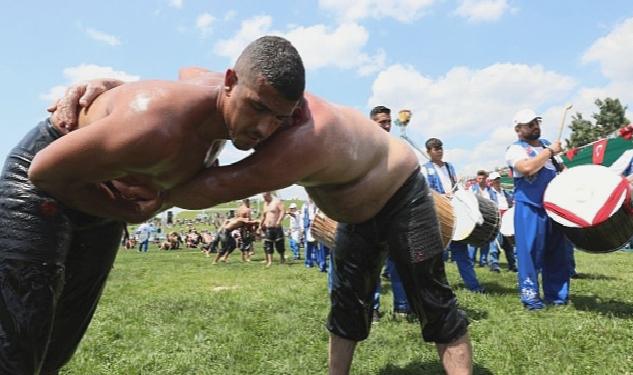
(492, 194)
(531, 189)
(629, 169)
(434, 180)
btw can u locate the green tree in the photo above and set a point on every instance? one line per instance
(609, 118)
(582, 131)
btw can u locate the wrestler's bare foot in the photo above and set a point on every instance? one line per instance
(268, 264)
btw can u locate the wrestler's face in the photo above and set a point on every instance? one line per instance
(254, 110)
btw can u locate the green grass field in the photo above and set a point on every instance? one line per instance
(174, 313)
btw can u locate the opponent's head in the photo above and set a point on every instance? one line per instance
(262, 90)
(527, 125)
(435, 149)
(382, 116)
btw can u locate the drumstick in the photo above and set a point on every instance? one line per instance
(410, 141)
(562, 121)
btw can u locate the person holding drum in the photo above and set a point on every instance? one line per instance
(482, 189)
(540, 245)
(441, 177)
(505, 201)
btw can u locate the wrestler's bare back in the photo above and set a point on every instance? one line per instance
(364, 166)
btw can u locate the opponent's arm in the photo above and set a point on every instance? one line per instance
(272, 166)
(74, 168)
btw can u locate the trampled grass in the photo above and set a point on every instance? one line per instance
(174, 313)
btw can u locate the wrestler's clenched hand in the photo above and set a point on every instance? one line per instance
(65, 111)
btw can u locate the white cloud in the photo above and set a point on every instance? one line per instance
(85, 72)
(175, 3)
(344, 44)
(613, 52)
(103, 37)
(482, 10)
(467, 101)
(204, 23)
(230, 15)
(353, 10)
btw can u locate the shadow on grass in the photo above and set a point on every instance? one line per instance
(496, 288)
(610, 307)
(594, 276)
(432, 367)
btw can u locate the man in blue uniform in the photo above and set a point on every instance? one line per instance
(540, 245)
(441, 177)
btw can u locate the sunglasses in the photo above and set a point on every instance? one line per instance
(532, 124)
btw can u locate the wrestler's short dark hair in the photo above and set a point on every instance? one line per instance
(278, 61)
(481, 172)
(433, 143)
(379, 109)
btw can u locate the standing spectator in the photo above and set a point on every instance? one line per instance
(504, 201)
(541, 246)
(442, 178)
(294, 230)
(308, 213)
(273, 214)
(144, 232)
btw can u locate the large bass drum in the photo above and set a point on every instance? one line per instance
(324, 229)
(476, 218)
(592, 205)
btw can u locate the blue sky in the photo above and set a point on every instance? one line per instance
(462, 66)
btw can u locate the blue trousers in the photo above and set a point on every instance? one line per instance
(143, 246)
(465, 266)
(294, 247)
(400, 302)
(541, 248)
(310, 253)
(322, 253)
(483, 254)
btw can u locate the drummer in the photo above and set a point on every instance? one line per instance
(504, 200)
(539, 244)
(441, 177)
(482, 189)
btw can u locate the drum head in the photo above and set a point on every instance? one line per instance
(507, 223)
(584, 196)
(467, 215)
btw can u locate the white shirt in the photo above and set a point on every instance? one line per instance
(516, 153)
(502, 202)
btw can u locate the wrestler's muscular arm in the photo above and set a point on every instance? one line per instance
(272, 166)
(74, 167)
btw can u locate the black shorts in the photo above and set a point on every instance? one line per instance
(247, 240)
(54, 262)
(407, 229)
(227, 242)
(274, 239)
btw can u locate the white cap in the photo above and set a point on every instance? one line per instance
(494, 176)
(524, 116)
(292, 205)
